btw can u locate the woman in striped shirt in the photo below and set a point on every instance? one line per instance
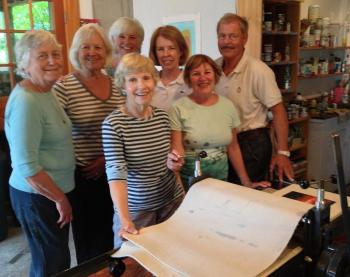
(88, 96)
(136, 142)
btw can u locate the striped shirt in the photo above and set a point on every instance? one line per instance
(136, 151)
(87, 113)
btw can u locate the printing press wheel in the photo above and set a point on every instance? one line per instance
(333, 262)
(116, 267)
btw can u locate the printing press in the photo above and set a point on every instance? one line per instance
(314, 249)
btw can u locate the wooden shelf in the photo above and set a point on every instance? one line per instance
(287, 91)
(323, 48)
(282, 1)
(279, 33)
(298, 146)
(280, 63)
(279, 40)
(320, 76)
(297, 120)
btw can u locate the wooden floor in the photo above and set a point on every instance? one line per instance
(133, 269)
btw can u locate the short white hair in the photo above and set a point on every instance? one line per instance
(29, 41)
(126, 25)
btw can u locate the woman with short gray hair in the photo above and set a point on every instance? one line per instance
(40, 140)
(88, 96)
(126, 36)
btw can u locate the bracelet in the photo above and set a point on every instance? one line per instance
(284, 153)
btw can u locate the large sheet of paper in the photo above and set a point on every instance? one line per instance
(220, 229)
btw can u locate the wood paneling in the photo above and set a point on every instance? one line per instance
(67, 22)
(252, 10)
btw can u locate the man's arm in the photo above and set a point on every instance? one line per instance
(280, 159)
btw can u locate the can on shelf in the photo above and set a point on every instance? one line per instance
(280, 21)
(268, 26)
(313, 12)
(268, 57)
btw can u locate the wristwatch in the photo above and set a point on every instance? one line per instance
(284, 153)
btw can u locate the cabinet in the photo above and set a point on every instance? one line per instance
(263, 17)
(298, 143)
(320, 152)
(280, 42)
(280, 51)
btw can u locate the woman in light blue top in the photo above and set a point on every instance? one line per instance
(206, 121)
(39, 135)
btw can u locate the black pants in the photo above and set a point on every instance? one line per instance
(92, 217)
(256, 150)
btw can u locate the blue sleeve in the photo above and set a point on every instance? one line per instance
(24, 132)
(113, 148)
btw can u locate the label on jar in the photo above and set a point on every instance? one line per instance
(268, 48)
(313, 12)
(268, 26)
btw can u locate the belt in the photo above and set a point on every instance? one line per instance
(251, 134)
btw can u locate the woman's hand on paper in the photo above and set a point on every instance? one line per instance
(259, 185)
(127, 227)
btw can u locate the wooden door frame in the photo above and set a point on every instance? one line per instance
(67, 22)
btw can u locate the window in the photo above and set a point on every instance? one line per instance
(16, 17)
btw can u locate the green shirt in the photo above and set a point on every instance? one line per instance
(205, 128)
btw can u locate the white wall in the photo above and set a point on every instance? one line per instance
(151, 12)
(335, 9)
(86, 10)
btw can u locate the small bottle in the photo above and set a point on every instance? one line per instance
(287, 53)
(345, 98)
(288, 27)
(331, 66)
(287, 78)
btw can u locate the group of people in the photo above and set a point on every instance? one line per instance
(110, 147)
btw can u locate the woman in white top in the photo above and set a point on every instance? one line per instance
(169, 50)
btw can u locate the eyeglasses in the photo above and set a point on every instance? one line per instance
(232, 37)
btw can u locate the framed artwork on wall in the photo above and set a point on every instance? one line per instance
(189, 25)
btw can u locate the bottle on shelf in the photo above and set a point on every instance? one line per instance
(287, 78)
(346, 31)
(287, 53)
(345, 98)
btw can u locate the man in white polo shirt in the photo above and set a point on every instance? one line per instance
(251, 86)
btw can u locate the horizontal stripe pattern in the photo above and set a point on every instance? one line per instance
(87, 113)
(136, 151)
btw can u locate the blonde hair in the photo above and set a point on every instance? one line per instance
(84, 32)
(133, 63)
